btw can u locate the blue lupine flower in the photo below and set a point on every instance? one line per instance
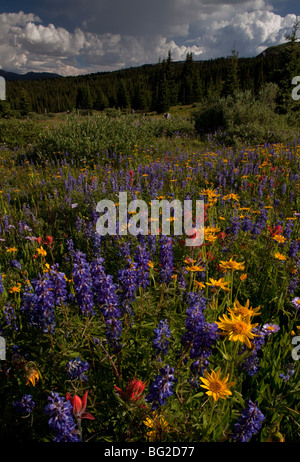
(293, 285)
(142, 258)
(97, 240)
(249, 423)
(161, 388)
(234, 228)
(290, 371)
(25, 405)
(10, 315)
(128, 283)
(76, 368)
(204, 338)
(38, 305)
(294, 249)
(195, 317)
(61, 419)
(1, 285)
(251, 364)
(83, 283)
(70, 247)
(15, 264)
(59, 283)
(161, 335)
(166, 258)
(105, 293)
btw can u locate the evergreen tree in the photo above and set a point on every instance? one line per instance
(123, 96)
(187, 79)
(101, 102)
(231, 84)
(141, 98)
(84, 98)
(171, 81)
(24, 103)
(5, 110)
(162, 96)
(197, 87)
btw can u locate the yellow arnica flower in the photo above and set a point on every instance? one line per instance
(194, 268)
(16, 288)
(244, 311)
(158, 426)
(280, 256)
(220, 284)
(31, 375)
(243, 276)
(199, 285)
(41, 251)
(238, 328)
(189, 261)
(12, 249)
(231, 196)
(217, 387)
(232, 265)
(279, 238)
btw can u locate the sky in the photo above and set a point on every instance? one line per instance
(73, 37)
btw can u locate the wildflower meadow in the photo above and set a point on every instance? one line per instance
(140, 338)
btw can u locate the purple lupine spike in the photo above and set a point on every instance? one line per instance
(25, 405)
(166, 258)
(161, 388)
(61, 419)
(83, 283)
(161, 337)
(249, 423)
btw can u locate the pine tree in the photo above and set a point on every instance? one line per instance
(5, 109)
(197, 87)
(123, 96)
(141, 99)
(24, 103)
(231, 84)
(162, 96)
(187, 78)
(101, 102)
(171, 80)
(84, 98)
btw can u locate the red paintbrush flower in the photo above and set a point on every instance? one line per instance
(79, 406)
(48, 240)
(134, 390)
(276, 230)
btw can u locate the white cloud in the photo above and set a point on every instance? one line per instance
(249, 32)
(208, 29)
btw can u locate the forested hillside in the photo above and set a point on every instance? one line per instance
(156, 87)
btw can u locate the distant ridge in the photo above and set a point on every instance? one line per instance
(276, 50)
(13, 76)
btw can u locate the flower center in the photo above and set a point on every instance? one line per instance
(216, 386)
(240, 327)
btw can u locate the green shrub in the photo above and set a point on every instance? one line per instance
(245, 118)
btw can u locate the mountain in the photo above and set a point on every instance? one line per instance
(13, 76)
(277, 50)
